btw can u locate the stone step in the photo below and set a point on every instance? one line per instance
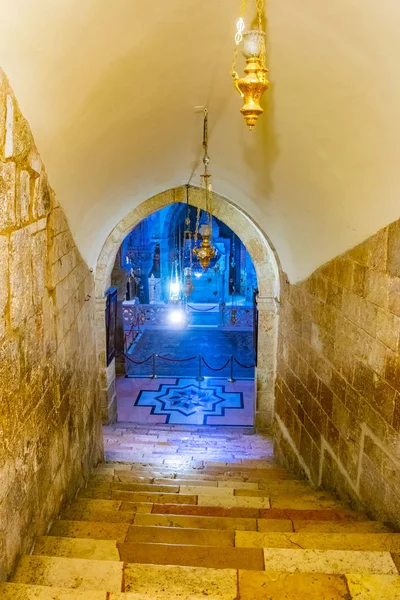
(272, 474)
(211, 557)
(90, 529)
(334, 562)
(181, 536)
(163, 583)
(320, 514)
(383, 542)
(266, 585)
(377, 559)
(144, 580)
(223, 498)
(21, 591)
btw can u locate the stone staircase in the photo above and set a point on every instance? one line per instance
(205, 513)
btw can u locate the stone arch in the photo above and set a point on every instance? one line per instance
(267, 272)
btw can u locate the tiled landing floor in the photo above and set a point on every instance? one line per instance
(186, 401)
(186, 446)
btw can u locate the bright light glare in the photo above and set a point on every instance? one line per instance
(177, 316)
(197, 274)
(175, 287)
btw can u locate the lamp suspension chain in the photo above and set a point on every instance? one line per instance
(260, 12)
(238, 37)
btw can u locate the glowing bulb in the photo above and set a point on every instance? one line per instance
(177, 316)
(175, 287)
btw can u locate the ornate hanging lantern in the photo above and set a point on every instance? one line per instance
(206, 251)
(255, 83)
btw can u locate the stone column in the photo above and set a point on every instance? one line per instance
(266, 368)
(118, 280)
(108, 395)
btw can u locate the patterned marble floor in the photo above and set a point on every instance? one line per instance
(185, 401)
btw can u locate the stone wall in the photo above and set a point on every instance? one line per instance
(49, 404)
(338, 383)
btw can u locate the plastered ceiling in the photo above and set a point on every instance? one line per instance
(109, 89)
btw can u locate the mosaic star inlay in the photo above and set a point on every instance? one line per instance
(189, 402)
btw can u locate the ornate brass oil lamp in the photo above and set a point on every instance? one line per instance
(253, 85)
(206, 251)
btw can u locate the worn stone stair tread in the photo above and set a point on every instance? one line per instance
(266, 585)
(84, 548)
(195, 522)
(102, 530)
(77, 573)
(21, 591)
(331, 514)
(343, 526)
(146, 579)
(211, 557)
(383, 542)
(335, 562)
(180, 536)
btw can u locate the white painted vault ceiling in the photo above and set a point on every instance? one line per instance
(109, 89)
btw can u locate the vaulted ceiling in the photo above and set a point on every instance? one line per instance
(109, 89)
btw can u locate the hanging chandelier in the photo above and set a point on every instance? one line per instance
(253, 85)
(206, 251)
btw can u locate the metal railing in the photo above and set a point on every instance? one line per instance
(200, 361)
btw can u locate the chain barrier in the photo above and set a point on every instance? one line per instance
(180, 360)
(242, 365)
(200, 359)
(211, 368)
(202, 309)
(135, 362)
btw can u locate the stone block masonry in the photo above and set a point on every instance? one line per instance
(50, 421)
(338, 383)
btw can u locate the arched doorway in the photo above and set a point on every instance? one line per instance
(268, 284)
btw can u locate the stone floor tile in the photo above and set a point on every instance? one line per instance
(334, 562)
(143, 487)
(70, 573)
(339, 526)
(19, 591)
(196, 522)
(98, 515)
(76, 548)
(153, 497)
(258, 585)
(228, 501)
(178, 535)
(303, 502)
(383, 542)
(274, 525)
(206, 491)
(374, 587)
(181, 582)
(307, 514)
(211, 511)
(238, 485)
(192, 556)
(188, 482)
(88, 529)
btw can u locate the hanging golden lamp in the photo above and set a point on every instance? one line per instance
(206, 251)
(253, 85)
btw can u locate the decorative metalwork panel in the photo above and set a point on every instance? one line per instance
(145, 314)
(237, 316)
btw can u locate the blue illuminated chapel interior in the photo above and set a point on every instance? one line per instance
(191, 328)
(156, 253)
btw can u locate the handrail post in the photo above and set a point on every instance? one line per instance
(153, 375)
(231, 378)
(199, 375)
